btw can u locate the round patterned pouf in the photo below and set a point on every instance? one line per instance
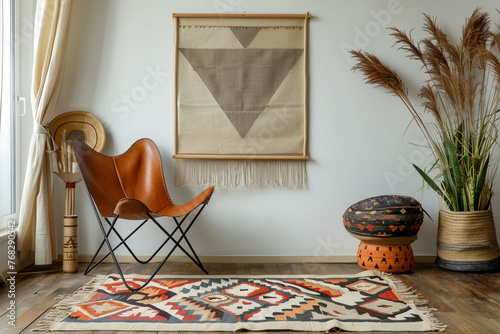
(386, 226)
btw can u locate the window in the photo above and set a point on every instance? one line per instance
(7, 113)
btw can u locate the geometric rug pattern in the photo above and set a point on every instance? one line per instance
(365, 302)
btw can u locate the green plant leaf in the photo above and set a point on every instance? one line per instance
(465, 203)
(451, 189)
(454, 174)
(480, 182)
(446, 196)
(429, 180)
(459, 139)
(473, 193)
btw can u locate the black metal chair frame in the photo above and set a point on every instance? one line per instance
(170, 236)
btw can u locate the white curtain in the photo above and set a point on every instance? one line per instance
(36, 218)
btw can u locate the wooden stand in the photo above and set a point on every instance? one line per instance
(70, 233)
(64, 129)
(68, 172)
(70, 247)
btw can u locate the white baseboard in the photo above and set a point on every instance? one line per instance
(231, 259)
(253, 259)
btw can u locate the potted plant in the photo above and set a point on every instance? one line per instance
(462, 95)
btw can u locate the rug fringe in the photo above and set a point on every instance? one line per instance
(410, 296)
(63, 308)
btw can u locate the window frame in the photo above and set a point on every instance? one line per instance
(5, 220)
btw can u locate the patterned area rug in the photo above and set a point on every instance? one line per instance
(369, 301)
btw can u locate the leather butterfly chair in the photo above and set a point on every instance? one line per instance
(131, 186)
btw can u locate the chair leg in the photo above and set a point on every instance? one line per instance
(106, 239)
(117, 265)
(183, 236)
(197, 262)
(89, 267)
(123, 242)
(98, 217)
(111, 249)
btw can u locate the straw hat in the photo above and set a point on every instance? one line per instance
(79, 125)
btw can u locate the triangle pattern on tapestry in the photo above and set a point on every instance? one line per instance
(242, 81)
(245, 34)
(242, 121)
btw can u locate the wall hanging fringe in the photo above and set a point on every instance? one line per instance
(240, 173)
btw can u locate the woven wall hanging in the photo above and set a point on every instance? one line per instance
(240, 100)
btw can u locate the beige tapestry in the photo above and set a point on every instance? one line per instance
(240, 117)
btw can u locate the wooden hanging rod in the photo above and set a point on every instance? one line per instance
(243, 15)
(240, 157)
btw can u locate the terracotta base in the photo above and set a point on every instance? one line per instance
(387, 258)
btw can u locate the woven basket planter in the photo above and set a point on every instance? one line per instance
(467, 241)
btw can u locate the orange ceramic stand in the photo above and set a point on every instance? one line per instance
(388, 258)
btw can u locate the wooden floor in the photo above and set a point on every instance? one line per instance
(466, 303)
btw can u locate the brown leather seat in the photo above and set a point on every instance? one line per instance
(131, 186)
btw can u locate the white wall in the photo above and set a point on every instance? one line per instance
(357, 142)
